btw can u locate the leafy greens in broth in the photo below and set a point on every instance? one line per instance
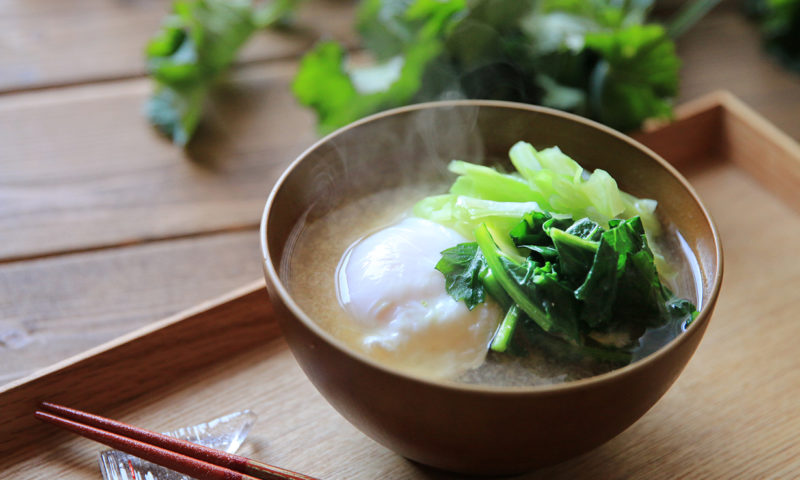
(578, 281)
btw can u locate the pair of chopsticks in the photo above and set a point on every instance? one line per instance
(202, 463)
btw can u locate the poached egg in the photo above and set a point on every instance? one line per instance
(388, 283)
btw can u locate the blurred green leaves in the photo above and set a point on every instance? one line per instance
(780, 28)
(596, 58)
(636, 76)
(196, 44)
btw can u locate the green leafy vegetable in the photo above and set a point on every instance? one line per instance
(547, 180)
(780, 28)
(637, 76)
(462, 266)
(575, 253)
(406, 37)
(596, 58)
(601, 290)
(682, 310)
(195, 45)
(623, 281)
(326, 84)
(534, 288)
(592, 288)
(533, 233)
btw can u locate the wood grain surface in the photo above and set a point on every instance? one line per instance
(710, 425)
(732, 414)
(110, 180)
(719, 124)
(50, 43)
(106, 228)
(106, 292)
(723, 51)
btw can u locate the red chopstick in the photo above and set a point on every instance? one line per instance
(198, 461)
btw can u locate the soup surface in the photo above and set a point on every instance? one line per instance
(320, 254)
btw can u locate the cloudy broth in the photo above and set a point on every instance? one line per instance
(310, 270)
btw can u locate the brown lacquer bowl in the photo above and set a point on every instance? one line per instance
(462, 428)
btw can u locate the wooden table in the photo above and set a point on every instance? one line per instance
(107, 227)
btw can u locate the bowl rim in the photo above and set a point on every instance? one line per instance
(588, 382)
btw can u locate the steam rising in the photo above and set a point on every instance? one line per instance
(409, 148)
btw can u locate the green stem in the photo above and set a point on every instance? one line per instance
(505, 331)
(492, 254)
(273, 13)
(688, 15)
(494, 289)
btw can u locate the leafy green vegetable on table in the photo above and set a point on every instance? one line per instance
(596, 58)
(195, 45)
(780, 28)
(589, 284)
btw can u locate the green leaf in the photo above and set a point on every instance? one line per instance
(383, 28)
(275, 13)
(535, 289)
(575, 255)
(599, 289)
(636, 77)
(326, 84)
(462, 266)
(465, 213)
(559, 26)
(780, 29)
(603, 13)
(484, 182)
(533, 235)
(586, 229)
(198, 40)
(529, 233)
(546, 180)
(197, 43)
(505, 331)
(681, 310)
(623, 282)
(176, 113)
(388, 27)
(596, 58)
(338, 92)
(641, 296)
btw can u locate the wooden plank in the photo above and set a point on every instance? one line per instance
(744, 140)
(60, 189)
(724, 51)
(54, 308)
(692, 139)
(57, 42)
(732, 414)
(721, 124)
(140, 362)
(82, 168)
(296, 429)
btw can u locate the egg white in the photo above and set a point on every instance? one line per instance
(388, 284)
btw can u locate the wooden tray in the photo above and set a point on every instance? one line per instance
(733, 413)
